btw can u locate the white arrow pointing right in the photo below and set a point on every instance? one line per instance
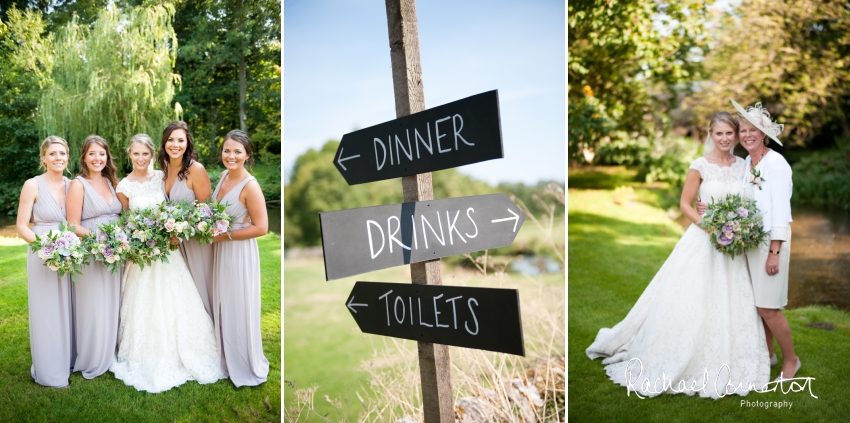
(352, 304)
(515, 219)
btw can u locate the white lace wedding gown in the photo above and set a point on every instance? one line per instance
(165, 337)
(695, 327)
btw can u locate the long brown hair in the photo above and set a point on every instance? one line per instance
(162, 157)
(109, 170)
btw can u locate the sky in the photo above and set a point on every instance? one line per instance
(337, 75)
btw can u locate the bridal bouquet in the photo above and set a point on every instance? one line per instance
(109, 244)
(146, 244)
(734, 225)
(208, 220)
(61, 250)
(174, 220)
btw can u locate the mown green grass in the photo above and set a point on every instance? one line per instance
(614, 251)
(323, 345)
(106, 399)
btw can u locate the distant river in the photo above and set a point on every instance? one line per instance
(820, 257)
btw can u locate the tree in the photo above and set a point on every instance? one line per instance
(792, 56)
(632, 57)
(18, 101)
(114, 79)
(317, 186)
(230, 62)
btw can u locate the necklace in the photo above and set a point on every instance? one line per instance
(757, 160)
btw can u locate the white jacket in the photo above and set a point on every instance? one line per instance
(774, 198)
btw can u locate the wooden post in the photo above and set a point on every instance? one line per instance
(434, 363)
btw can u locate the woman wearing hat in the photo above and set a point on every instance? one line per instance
(768, 175)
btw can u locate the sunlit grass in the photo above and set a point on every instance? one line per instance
(614, 251)
(106, 399)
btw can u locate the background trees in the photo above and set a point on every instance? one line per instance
(72, 68)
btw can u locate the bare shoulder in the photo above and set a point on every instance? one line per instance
(197, 170)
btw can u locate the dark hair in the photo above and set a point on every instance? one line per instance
(109, 170)
(242, 138)
(163, 159)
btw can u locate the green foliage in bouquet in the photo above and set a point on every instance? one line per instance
(734, 225)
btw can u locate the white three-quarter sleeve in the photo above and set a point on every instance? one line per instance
(780, 186)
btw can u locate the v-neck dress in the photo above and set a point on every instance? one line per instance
(198, 257)
(50, 300)
(97, 294)
(236, 298)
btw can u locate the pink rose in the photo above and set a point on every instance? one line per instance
(750, 177)
(169, 225)
(757, 181)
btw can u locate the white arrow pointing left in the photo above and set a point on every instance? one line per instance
(340, 159)
(352, 304)
(515, 219)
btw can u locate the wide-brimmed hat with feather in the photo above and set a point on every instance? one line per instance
(760, 118)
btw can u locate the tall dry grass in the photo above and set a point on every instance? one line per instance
(487, 386)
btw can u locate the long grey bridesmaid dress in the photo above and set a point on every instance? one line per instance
(96, 294)
(50, 301)
(236, 299)
(198, 257)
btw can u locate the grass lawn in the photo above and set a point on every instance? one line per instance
(614, 251)
(105, 398)
(325, 348)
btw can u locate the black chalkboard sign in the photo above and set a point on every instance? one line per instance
(360, 240)
(454, 134)
(470, 317)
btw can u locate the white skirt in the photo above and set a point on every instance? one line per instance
(770, 291)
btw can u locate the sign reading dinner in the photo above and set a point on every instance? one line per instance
(469, 317)
(454, 134)
(370, 238)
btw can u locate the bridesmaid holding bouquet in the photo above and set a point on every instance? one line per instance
(186, 179)
(236, 274)
(49, 295)
(92, 201)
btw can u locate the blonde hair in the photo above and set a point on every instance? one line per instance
(724, 117)
(50, 140)
(741, 119)
(143, 139)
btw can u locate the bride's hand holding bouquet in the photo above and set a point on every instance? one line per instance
(734, 225)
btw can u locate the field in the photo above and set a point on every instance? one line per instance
(106, 399)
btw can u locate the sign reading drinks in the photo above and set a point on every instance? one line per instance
(360, 240)
(454, 134)
(481, 318)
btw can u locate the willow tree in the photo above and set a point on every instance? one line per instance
(114, 78)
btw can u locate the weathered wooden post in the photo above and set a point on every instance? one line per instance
(360, 240)
(434, 361)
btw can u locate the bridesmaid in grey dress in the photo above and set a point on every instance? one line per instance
(236, 274)
(92, 201)
(49, 295)
(186, 179)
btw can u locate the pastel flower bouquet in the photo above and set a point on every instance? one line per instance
(734, 225)
(147, 244)
(174, 218)
(61, 250)
(109, 244)
(209, 219)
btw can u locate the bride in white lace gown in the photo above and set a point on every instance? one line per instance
(695, 328)
(165, 337)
